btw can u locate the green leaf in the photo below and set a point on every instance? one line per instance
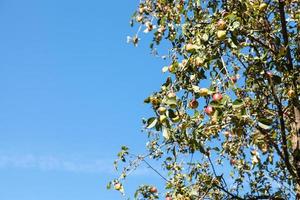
(264, 126)
(171, 113)
(166, 133)
(265, 123)
(235, 25)
(108, 186)
(165, 69)
(276, 79)
(237, 103)
(151, 122)
(216, 104)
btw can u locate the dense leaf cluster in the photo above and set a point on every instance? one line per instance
(225, 123)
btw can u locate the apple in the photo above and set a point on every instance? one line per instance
(161, 110)
(217, 97)
(232, 162)
(193, 104)
(153, 190)
(168, 198)
(221, 25)
(221, 34)
(118, 186)
(203, 92)
(209, 110)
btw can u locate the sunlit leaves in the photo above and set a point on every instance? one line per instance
(227, 99)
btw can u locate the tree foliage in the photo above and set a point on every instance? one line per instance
(226, 121)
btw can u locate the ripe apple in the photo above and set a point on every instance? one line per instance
(221, 34)
(209, 110)
(221, 25)
(153, 190)
(168, 198)
(193, 104)
(217, 97)
(232, 162)
(118, 186)
(203, 92)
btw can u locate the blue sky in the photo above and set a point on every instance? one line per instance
(71, 93)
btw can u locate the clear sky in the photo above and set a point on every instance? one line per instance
(71, 93)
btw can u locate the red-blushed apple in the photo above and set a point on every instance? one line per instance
(221, 24)
(153, 189)
(217, 97)
(193, 104)
(232, 162)
(168, 198)
(209, 110)
(118, 186)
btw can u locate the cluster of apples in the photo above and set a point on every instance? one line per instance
(217, 97)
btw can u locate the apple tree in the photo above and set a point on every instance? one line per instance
(226, 121)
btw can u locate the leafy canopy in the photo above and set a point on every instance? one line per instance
(226, 121)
